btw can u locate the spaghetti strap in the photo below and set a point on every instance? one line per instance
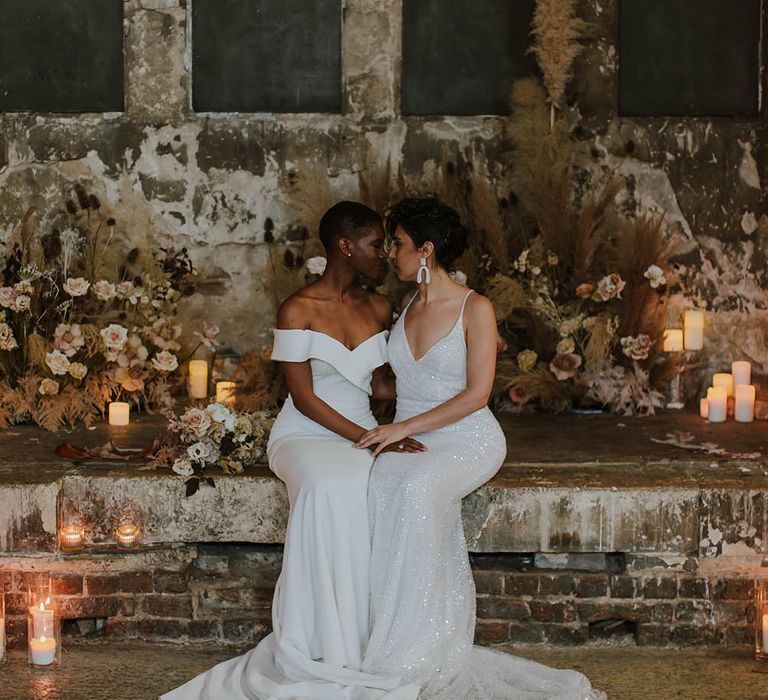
(464, 303)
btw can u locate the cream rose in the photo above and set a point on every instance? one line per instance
(49, 387)
(566, 346)
(68, 338)
(76, 286)
(316, 265)
(114, 336)
(183, 467)
(636, 347)
(165, 361)
(526, 360)
(6, 296)
(104, 290)
(57, 361)
(77, 370)
(459, 277)
(655, 276)
(21, 303)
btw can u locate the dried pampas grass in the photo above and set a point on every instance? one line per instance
(557, 32)
(506, 295)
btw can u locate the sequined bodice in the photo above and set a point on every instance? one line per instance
(438, 375)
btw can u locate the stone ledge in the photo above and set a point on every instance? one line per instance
(617, 491)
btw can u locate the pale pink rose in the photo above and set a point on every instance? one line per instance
(104, 290)
(636, 347)
(610, 287)
(124, 290)
(76, 286)
(564, 365)
(77, 370)
(165, 361)
(208, 335)
(132, 376)
(68, 338)
(114, 336)
(7, 341)
(655, 276)
(6, 297)
(57, 361)
(195, 422)
(49, 387)
(164, 334)
(21, 303)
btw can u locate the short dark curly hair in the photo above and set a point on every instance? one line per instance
(428, 219)
(345, 220)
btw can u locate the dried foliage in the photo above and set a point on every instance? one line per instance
(557, 32)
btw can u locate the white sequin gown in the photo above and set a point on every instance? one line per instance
(320, 609)
(422, 591)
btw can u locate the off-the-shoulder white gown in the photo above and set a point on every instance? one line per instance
(320, 608)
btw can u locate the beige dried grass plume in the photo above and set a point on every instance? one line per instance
(557, 32)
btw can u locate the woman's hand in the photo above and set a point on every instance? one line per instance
(383, 436)
(403, 447)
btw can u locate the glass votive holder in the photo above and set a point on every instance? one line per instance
(71, 537)
(2, 616)
(128, 535)
(43, 622)
(761, 618)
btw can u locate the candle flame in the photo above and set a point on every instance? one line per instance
(42, 607)
(42, 638)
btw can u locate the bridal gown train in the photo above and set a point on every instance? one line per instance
(320, 608)
(422, 591)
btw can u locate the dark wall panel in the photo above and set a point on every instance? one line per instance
(61, 55)
(266, 55)
(689, 57)
(462, 56)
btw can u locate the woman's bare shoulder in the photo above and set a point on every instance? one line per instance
(479, 308)
(296, 311)
(382, 308)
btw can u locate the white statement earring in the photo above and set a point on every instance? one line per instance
(423, 272)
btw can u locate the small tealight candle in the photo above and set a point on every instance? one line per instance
(119, 412)
(673, 340)
(42, 650)
(742, 372)
(704, 408)
(198, 379)
(718, 405)
(725, 380)
(225, 393)
(127, 535)
(693, 326)
(744, 412)
(72, 537)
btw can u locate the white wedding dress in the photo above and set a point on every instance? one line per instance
(320, 609)
(422, 591)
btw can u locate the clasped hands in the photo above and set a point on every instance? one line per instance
(393, 437)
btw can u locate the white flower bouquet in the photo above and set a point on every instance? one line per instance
(202, 438)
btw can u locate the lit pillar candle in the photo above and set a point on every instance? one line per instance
(742, 372)
(765, 633)
(744, 411)
(42, 650)
(718, 405)
(42, 621)
(225, 393)
(704, 408)
(694, 329)
(198, 379)
(119, 412)
(2, 638)
(725, 380)
(673, 340)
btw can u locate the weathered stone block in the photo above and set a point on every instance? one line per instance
(624, 586)
(566, 634)
(544, 611)
(662, 612)
(591, 586)
(242, 630)
(135, 582)
(122, 629)
(658, 587)
(595, 612)
(491, 632)
(67, 584)
(693, 635)
(695, 611)
(733, 589)
(91, 606)
(652, 635)
(102, 584)
(489, 582)
(166, 629)
(692, 587)
(527, 633)
(521, 584)
(556, 585)
(502, 609)
(166, 605)
(204, 629)
(169, 582)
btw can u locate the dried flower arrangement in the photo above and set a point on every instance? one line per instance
(216, 435)
(85, 320)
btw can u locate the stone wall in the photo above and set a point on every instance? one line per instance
(223, 593)
(221, 183)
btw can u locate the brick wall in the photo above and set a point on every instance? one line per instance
(223, 593)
